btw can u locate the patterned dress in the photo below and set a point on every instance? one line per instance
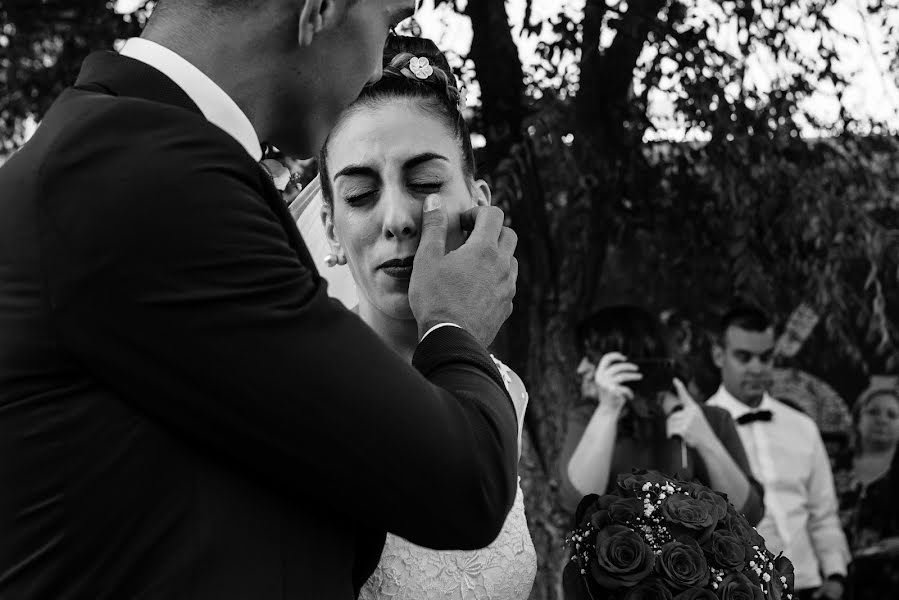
(869, 514)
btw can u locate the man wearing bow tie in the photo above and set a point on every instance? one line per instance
(786, 454)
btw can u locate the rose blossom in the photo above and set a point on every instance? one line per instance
(726, 551)
(622, 558)
(637, 479)
(651, 589)
(683, 564)
(737, 587)
(625, 510)
(696, 593)
(688, 515)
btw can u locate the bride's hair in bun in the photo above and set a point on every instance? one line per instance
(432, 87)
(399, 54)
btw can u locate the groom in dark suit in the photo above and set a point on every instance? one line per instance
(183, 411)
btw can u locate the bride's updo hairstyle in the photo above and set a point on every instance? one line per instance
(403, 80)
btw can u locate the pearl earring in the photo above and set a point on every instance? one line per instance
(331, 260)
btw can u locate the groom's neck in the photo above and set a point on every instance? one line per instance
(228, 58)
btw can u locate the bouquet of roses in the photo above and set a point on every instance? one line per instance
(659, 538)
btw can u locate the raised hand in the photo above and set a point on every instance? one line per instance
(688, 421)
(610, 379)
(472, 286)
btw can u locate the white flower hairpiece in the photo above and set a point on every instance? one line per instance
(421, 67)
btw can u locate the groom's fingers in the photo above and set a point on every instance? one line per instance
(508, 241)
(475, 217)
(433, 229)
(488, 225)
(467, 219)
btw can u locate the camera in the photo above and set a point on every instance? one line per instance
(658, 375)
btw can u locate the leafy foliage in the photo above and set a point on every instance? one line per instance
(750, 208)
(42, 45)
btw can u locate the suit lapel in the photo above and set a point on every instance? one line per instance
(279, 207)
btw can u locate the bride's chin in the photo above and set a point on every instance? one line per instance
(396, 306)
(404, 311)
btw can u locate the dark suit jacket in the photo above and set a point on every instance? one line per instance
(184, 413)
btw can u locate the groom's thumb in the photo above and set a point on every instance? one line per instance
(433, 229)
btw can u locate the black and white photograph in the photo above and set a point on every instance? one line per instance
(449, 299)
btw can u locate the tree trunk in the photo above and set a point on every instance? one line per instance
(603, 102)
(551, 384)
(562, 242)
(499, 75)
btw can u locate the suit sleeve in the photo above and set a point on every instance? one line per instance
(173, 282)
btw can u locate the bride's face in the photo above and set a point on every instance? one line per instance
(382, 163)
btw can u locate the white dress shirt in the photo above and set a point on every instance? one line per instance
(215, 104)
(787, 456)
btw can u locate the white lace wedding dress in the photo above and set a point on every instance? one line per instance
(504, 570)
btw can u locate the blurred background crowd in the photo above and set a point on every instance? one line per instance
(706, 190)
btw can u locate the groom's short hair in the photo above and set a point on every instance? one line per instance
(167, 7)
(204, 5)
(214, 4)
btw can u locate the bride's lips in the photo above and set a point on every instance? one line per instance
(398, 268)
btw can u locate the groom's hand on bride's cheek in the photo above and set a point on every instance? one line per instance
(472, 286)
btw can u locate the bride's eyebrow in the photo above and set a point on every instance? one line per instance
(356, 170)
(422, 158)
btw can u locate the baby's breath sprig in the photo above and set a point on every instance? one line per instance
(580, 541)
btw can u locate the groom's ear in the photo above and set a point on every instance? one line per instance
(316, 15)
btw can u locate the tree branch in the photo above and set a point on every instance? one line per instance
(606, 77)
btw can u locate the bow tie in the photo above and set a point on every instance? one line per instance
(758, 415)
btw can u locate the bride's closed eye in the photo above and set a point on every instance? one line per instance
(425, 187)
(358, 196)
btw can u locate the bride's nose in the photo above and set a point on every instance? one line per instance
(402, 215)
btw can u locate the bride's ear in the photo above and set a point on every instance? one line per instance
(482, 195)
(316, 15)
(330, 234)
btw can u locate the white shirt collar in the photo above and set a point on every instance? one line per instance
(215, 104)
(737, 409)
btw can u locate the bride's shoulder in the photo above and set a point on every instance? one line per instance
(514, 384)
